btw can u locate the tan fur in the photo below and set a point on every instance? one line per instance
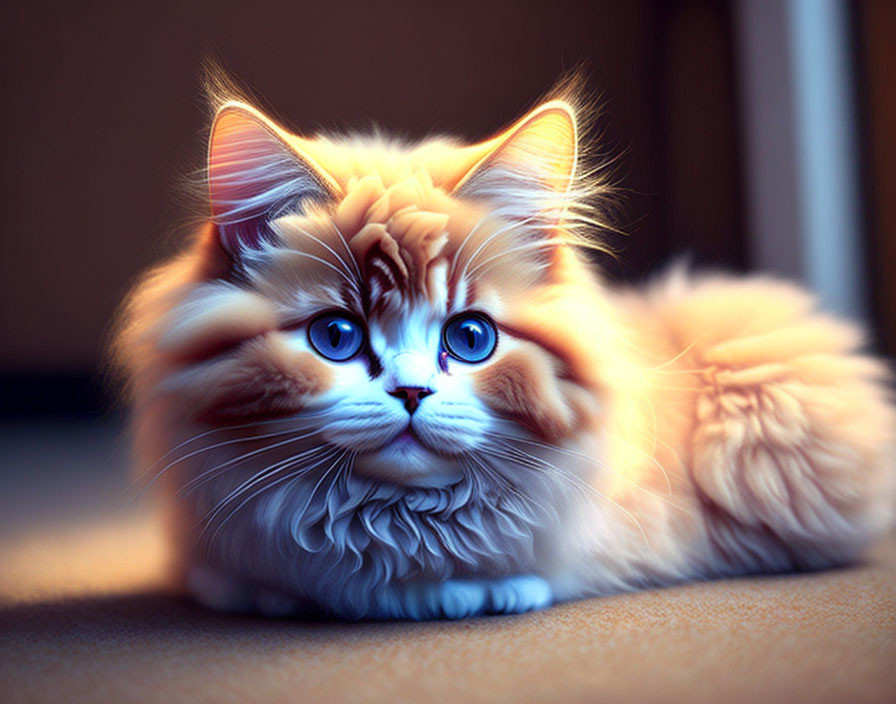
(794, 431)
(261, 378)
(523, 385)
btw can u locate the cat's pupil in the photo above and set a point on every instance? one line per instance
(471, 335)
(335, 333)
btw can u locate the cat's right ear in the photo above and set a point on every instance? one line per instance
(257, 171)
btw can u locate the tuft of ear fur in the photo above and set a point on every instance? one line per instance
(536, 173)
(256, 172)
(539, 151)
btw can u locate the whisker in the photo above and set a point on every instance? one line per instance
(347, 458)
(553, 448)
(676, 357)
(489, 239)
(577, 483)
(267, 448)
(466, 239)
(653, 460)
(351, 282)
(655, 423)
(348, 250)
(606, 467)
(260, 477)
(221, 429)
(209, 448)
(209, 474)
(541, 244)
(330, 250)
(292, 475)
(495, 475)
(321, 480)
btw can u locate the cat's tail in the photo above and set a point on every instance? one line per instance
(794, 448)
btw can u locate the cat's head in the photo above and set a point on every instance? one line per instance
(417, 306)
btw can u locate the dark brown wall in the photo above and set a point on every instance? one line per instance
(103, 114)
(876, 44)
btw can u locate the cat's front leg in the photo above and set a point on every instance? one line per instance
(463, 598)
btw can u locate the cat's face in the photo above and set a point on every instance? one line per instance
(411, 316)
(419, 416)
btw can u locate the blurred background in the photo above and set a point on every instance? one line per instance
(752, 134)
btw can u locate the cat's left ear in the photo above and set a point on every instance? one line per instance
(529, 169)
(256, 171)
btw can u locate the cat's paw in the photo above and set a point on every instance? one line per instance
(516, 595)
(424, 601)
(465, 598)
(460, 598)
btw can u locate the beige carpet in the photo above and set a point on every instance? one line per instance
(84, 619)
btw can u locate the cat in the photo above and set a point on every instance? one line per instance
(385, 382)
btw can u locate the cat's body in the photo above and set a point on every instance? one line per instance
(506, 432)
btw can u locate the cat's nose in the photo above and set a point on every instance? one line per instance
(411, 395)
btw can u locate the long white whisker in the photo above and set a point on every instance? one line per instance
(211, 473)
(489, 239)
(601, 465)
(351, 255)
(330, 250)
(210, 448)
(291, 418)
(321, 481)
(241, 458)
(583, 487)
(351, 281)
(665, 499)
(260, 477)
(509, 486)
(466, 239)
(541, 244)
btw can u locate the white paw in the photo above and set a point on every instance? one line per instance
(516, 595)
(465, 598)
(462, 598)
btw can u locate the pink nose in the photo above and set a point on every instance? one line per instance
(411, 395)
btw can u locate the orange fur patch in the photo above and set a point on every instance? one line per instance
(522, 384)
(262, 378)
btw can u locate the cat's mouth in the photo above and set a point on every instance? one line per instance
(407, 438)
(407, 459)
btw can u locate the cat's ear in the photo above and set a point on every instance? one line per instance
(529, 169)
(256, 171)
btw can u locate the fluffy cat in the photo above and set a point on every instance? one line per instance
(384, 382)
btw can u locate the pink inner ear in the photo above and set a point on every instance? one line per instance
(238, 147)
(252, 176)
(530, 168)
(543, 145)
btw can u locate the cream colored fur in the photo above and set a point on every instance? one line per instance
(782, 431)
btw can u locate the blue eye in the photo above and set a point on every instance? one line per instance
(470, 337)
(335, 336)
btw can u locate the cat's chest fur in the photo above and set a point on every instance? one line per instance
(343, 542)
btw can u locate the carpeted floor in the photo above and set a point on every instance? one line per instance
(84, 618)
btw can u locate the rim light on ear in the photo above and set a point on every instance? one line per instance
(546, 138)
